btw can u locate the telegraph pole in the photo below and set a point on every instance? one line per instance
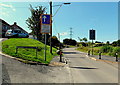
(51, 27)
(71, 33)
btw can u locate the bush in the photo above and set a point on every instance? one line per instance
(116, 50)
(106, 49)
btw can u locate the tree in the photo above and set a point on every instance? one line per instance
(33, 22)
(80, 39)
(107, 42)
(114, 43)
(69, 42)
(84, 39)
(55, 41)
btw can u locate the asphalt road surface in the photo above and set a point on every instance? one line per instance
(85, 70)
(80, 69)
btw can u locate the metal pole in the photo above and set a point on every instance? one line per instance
(59, 40)
(60, 49)
(45, 47)
(92, 47)
(51, 27)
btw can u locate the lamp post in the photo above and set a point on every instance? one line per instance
(51, 23)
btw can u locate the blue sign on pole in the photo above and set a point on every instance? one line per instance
(46, 19)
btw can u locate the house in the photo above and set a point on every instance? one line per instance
(16, 27)
(5, 26)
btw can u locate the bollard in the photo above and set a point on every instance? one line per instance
(99, 55)
(60, 56)
(116, 55)
(88, 52)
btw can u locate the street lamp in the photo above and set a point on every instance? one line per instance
(51, 22)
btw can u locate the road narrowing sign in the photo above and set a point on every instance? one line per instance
(45, 23)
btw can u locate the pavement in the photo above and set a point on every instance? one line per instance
(104, 58)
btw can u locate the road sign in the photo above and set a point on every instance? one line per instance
(45, 29)
(92, 34)
(45, 23)
(46, 19)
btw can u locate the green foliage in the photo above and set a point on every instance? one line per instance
(33, 21)
(9, 47)
(69, 42)
(116, 43)
(55, 41)
(85, 39)
(107, 42)
(116, 50)
(106, 49)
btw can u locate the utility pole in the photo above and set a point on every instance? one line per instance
(51, 23)
(51, 27)
(71, 33)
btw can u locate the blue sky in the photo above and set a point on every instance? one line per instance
(81, 16)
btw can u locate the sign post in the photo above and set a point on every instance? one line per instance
(45, 27)
(92, 37)
(45, 47)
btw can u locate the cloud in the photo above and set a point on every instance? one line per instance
(4, 9)
(6, 5)
(3, 6)
(64, 33)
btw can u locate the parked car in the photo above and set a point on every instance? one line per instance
(16, 34)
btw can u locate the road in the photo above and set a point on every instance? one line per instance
(80, 69)
(85, 70)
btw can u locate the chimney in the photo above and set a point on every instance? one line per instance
(15, 23)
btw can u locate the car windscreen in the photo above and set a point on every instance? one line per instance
(9, 31)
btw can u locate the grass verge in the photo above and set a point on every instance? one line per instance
(9, 47)
(97, 49)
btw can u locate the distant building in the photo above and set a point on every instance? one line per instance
(5, 26)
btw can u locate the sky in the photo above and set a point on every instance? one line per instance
(80, 16)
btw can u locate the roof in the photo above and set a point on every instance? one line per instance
(12, 25)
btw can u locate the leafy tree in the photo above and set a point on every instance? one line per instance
(55, 41)
(80, 39)
(107, 42)
(116, 43)
(69, 42)
(84, 39)
(33, 21)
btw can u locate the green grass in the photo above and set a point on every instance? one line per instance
(97, 49)
(9, 47)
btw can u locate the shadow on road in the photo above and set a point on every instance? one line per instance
(71, 53)
(83, 68)
(77, 57)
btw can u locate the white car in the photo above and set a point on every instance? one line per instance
(16, 34)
